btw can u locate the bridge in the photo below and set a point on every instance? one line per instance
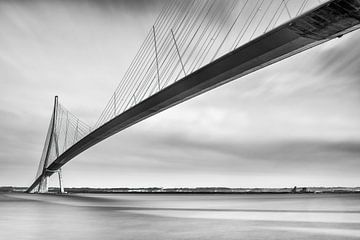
(193, 47)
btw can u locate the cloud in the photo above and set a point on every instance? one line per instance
(341, 60)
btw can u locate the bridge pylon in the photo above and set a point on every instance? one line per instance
(51, 147)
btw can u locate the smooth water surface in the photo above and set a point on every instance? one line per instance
(180, 216)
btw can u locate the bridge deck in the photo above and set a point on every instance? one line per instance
(324, 23)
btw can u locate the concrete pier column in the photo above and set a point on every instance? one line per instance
(61, 181)
(44, 185)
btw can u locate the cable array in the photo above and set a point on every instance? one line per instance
(188, 35)
(64, 131)
(68, 129)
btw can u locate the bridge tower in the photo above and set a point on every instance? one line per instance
(51, 144)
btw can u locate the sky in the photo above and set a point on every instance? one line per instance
(296, 122)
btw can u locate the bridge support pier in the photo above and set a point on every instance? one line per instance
(43, 186)
(61, 186)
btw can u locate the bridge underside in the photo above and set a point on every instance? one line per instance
(324, 23)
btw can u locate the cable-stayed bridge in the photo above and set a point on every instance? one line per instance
(195, 46)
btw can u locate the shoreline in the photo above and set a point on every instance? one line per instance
(199, 190)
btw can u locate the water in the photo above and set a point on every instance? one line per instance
(185, 216)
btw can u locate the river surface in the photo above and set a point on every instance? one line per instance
(182, 216)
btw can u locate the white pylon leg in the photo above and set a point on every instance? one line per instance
(44, 185)
(61, 181)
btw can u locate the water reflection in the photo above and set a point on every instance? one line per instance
(188, 216)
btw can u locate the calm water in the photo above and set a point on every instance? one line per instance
(151, 216)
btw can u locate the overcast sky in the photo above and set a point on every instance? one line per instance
(294, 123)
